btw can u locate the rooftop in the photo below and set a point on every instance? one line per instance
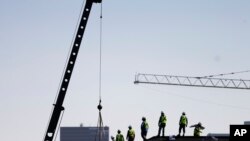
(189, 138)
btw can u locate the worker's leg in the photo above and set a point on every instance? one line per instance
(163, 126)
(184, 130)
(163, 131)
(143, 135)
(179, 130)
(159, 131)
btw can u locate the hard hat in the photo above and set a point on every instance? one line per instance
(112, 137)
(143, 118)
(130, 127)
(119, 131)
(199, 123)
(183, 113)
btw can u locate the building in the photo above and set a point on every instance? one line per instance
(247, 123)
(84, 134)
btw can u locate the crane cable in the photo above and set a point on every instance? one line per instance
(100, 131)
(100, 59)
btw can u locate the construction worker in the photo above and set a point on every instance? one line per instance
(144, 128)
(130, 134)
(162, 123)
(183, 123)
(197, 129)
(119, 136)
(112, 138)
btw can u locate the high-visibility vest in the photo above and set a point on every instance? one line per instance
(131, 133)
(144, 126)
(119, 137)
(163, 119)
(183, 120)
(197, 131)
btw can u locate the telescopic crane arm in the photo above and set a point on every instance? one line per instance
(58, 106)
(192, 81)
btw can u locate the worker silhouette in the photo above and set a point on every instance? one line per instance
(112, 138)
(130, 134)
(162, 124)
(183, 124)
(197, 129)
(119, 136)
(144, 128)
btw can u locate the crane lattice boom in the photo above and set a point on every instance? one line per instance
(192, 81)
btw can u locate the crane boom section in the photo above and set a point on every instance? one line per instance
(58, 106)
(192, 81)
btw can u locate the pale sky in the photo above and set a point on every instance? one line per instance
(175, 37)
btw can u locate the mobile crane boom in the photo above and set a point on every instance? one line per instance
(58, 106)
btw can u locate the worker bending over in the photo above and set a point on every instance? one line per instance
(197, 129)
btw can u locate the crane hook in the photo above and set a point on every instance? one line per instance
(99, 107)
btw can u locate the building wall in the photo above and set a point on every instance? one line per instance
(83, 134)
(247, 123)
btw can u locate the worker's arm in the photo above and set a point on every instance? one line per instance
(159, 122)
(193, 125)
(116, 138)
(122, 138)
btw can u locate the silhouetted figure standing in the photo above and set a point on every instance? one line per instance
(119, 136)
(162, 124)
(197, 129)
(183, 123)
(144, 128)
(130, 134)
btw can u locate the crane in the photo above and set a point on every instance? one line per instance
(58, 106)
(192, 81)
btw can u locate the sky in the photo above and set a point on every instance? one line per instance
(181, 37)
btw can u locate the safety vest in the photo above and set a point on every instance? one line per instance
(119, 137)
(163, 119)
(183, 120)
(131, 133)
(144, 126)
(197, 131)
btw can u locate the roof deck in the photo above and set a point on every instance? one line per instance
(190, 138)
